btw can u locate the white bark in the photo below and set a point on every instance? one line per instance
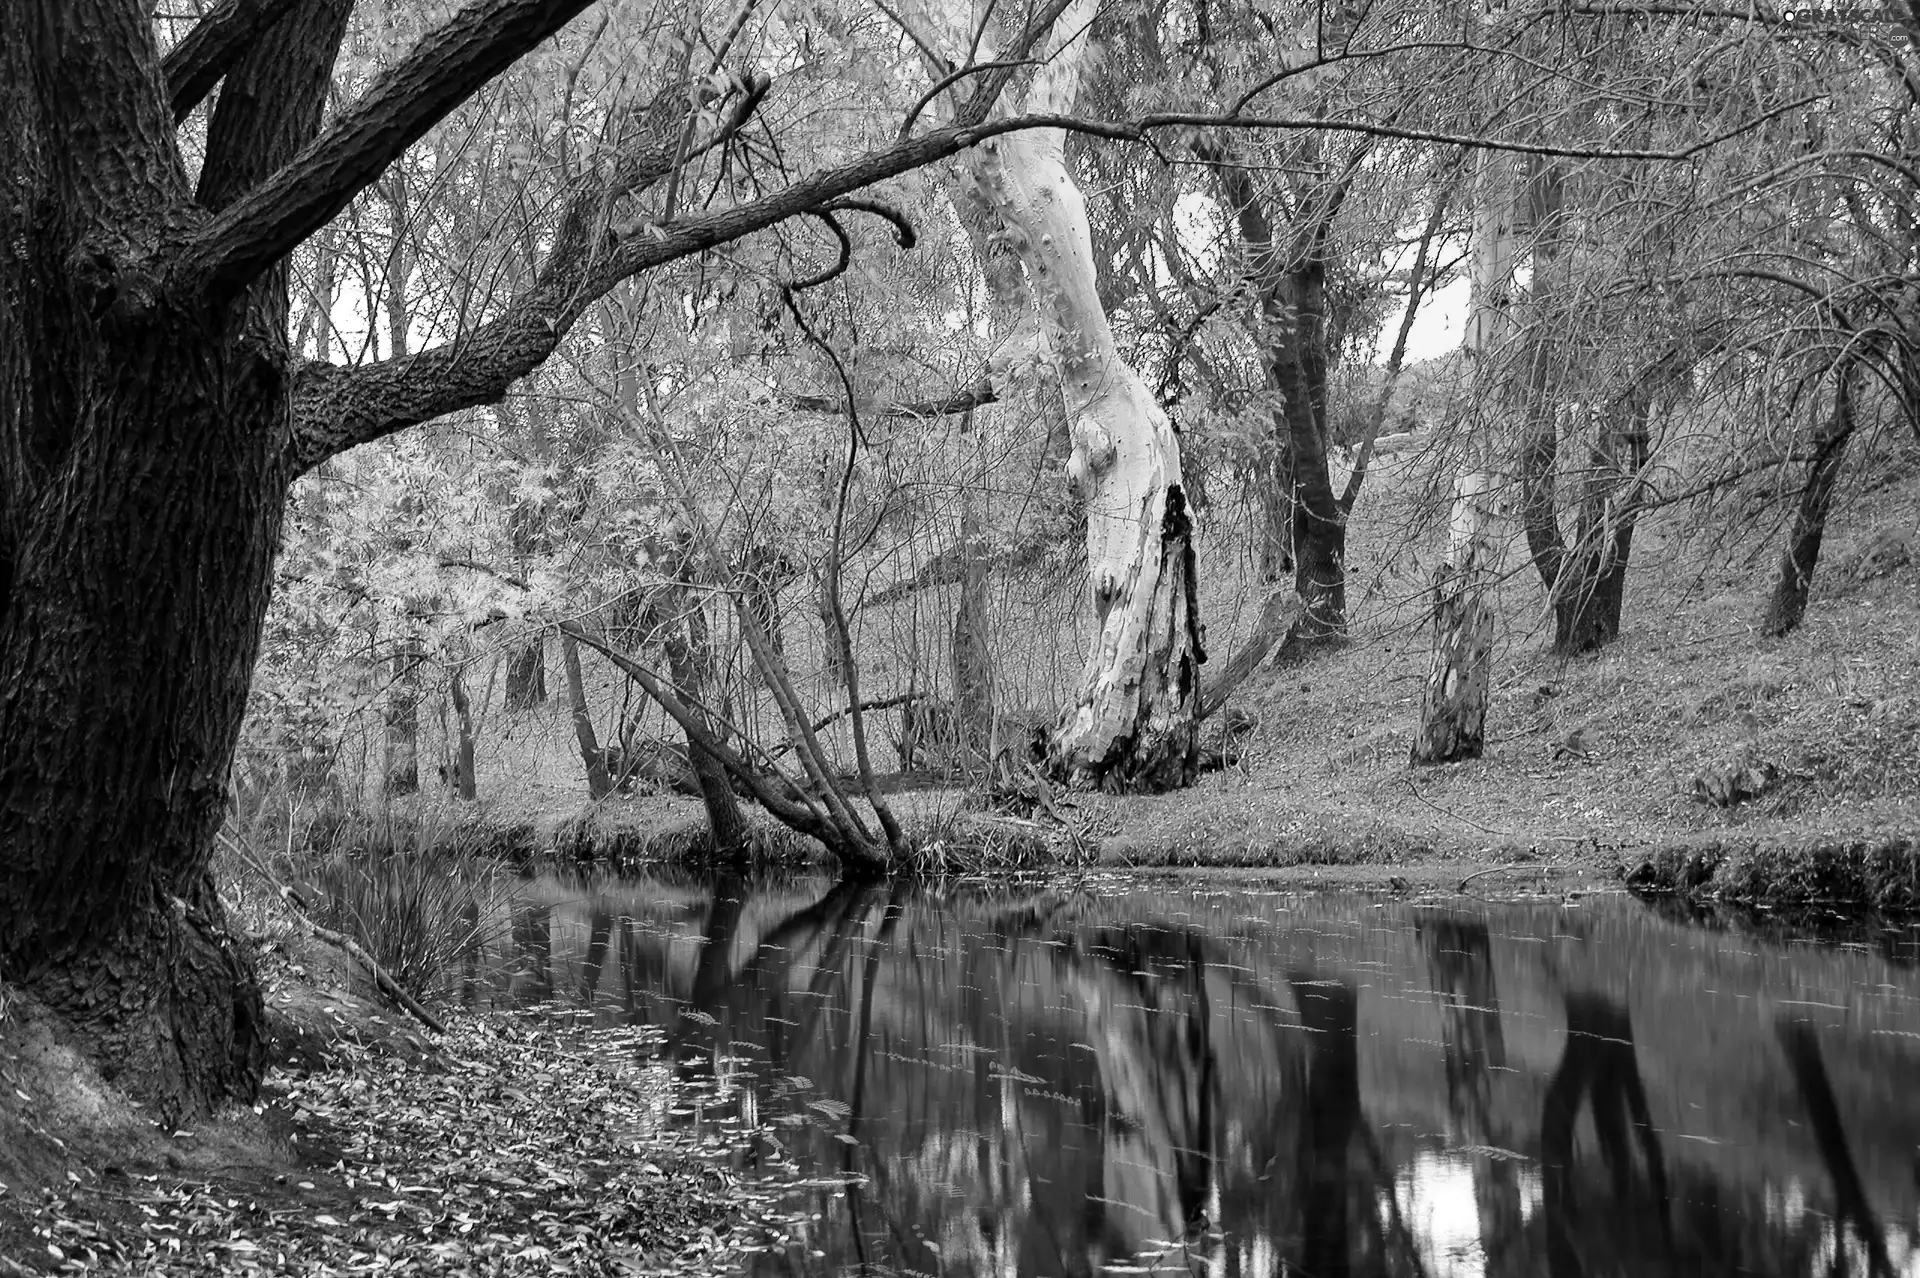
(1453, 710)
(1133, 722)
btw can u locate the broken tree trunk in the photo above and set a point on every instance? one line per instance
(1134, 723)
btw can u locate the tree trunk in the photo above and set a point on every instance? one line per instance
(1134, 724)
(402, 773)
(1787, 605)
(1453, 708)
(972, 635)
(124, 675)
(1292, 332)
(1593, 578)
(464, 783)
(1540, 449)
(599, 783)
(1273, 493)
(144, 468)
(689, 653)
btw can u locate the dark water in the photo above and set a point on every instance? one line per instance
(1159, 1076)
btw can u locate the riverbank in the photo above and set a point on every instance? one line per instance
(514, 1143)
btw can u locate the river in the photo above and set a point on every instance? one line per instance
(1196, 1075)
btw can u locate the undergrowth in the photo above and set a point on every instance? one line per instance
(422, 892)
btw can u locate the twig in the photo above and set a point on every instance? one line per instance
(1512, 865)
(381, 978)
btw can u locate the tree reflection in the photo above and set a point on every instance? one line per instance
(533, 941)
(1823, 1112)
(1599, 1067)
(1460, 958)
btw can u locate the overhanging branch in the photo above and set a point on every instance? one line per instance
(337, 408)
(443, 71)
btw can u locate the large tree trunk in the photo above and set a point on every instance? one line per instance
(1134, 723)
(143, 476)
(124, 674)
(1787, 605)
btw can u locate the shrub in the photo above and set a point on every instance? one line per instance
(423, 898)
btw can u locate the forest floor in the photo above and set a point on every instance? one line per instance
(515, 1143)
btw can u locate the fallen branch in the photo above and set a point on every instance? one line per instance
(382, 979)
(1500, 869)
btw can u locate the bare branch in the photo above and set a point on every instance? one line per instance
(216, 42)
(337, 408)
(445, 69)
(975, 396)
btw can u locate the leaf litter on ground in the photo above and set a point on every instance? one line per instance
(533, 1145)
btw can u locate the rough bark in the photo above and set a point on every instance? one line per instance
(1787, 603)
(1134, 723)
(130, 419)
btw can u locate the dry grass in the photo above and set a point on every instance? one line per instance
(1830, 713)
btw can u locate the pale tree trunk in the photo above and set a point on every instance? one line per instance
(1133, 725)
(1453, 709)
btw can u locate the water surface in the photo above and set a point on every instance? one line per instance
(1165, 1076)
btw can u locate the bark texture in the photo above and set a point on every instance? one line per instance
(141, 496)
(1134, 725)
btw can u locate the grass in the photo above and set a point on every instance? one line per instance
(419, 892)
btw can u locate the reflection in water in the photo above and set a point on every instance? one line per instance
(1152, 1078)
(1598, 1066)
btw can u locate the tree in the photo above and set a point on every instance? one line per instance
(1134, 723)
(153, 417)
